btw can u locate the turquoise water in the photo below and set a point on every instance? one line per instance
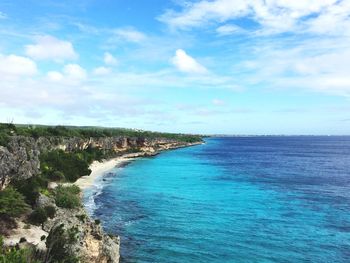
(248, 199)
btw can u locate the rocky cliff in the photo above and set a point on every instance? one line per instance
(20, 159)
(81, 237)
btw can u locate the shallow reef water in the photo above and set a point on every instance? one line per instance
(233, 199)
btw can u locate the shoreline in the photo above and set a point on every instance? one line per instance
(98, 169)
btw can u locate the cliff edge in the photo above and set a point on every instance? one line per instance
(50, 223)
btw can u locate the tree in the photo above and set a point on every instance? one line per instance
(12, 202)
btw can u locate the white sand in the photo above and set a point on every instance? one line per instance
(100, 168)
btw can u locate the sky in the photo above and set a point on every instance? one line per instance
(219, 66)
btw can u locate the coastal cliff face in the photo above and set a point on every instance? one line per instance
(20, 160)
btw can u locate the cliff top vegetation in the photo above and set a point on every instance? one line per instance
(9, 129)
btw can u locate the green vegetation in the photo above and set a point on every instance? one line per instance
(30, 188)
(86, 132)
(4, 139)
(57, 242)
(67, 196)
(16, 255)
(6, 130)
(81, 217)
(57, 165)
(40, 215)
(50, 211)
(12, 203)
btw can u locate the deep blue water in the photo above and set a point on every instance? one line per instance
(243, 199)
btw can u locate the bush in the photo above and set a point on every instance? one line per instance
(7, 223)
(67, 197)
(57, 176)
(4, 139)
(57, 242)
(31, 188)
(56, 163)
(50, 211)
(12, 203)
(38, 216)
(81, 217)
(16, 255)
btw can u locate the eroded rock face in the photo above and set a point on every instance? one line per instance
(8, 167)
(90, 243)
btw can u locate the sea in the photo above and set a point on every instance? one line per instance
(232, 199)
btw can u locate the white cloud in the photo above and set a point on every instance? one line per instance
(228, 30)
(322, 68)
(54, 76)
(218, 102)
(74, 72)
(3, 15)
(100, 71)
(109, 59)
(130, 34)
(186, 63)
(13, 65)
(51, 48)
(274, 16)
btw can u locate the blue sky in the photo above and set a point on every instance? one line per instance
(219, 66)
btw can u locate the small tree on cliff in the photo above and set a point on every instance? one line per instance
(12, 203)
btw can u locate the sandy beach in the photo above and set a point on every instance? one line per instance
(99, 168)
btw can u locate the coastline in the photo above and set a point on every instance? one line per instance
(98, 169)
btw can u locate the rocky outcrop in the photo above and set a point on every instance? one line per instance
(87, 241)
(20, 159)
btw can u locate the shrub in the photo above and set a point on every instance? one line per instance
(4, 139)
(97, 221)
(31, 187)
(56, 243)
(72, 235)
(16, 255)
(12, 203)
(50, 211)
(38, 216)
(57, 176)
(67, 196)
(43, 237)
(81, 217)
(70, 165)
(6, 224)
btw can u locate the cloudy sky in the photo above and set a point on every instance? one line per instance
(219, 66)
